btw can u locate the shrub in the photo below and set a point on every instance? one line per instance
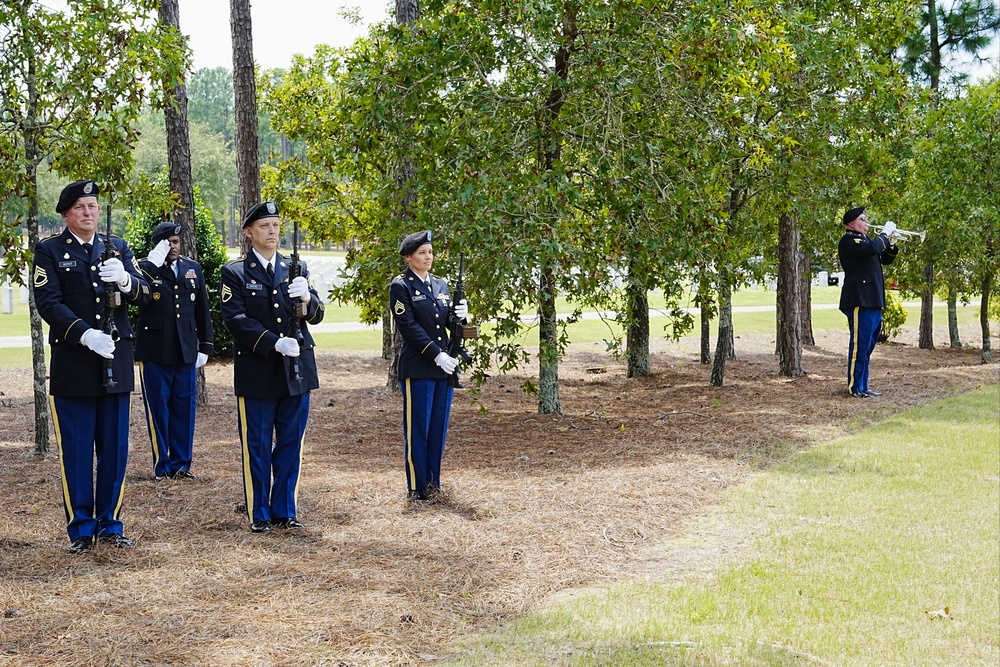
(143, 219)
(893, 317)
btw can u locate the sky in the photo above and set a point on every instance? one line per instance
(281, 28)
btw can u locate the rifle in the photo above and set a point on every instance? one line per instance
(457, 329)
(112, 299)
(298, 308)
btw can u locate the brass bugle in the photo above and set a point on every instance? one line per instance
(903, 234)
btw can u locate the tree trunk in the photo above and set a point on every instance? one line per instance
(637, 335)
(927, 309)
(984, 316)
(37, 335)
(179, 160)
(548, 346)
(407, 12)
(550, 149)
(789, 301)
(956, 341)
(805, 301)
(245, 108)
(33, 157)
(705, 308)
(386, 333)
(724, 344)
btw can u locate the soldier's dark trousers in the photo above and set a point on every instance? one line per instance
(169, 393)
(864, 324)
(426, 410)
(85, 426)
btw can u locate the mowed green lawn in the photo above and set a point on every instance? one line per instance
(879, 549)
(583, 331)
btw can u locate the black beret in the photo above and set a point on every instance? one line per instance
(267, 209)
(165, 230)
(74, 191)
(853, 214)
(414, 241)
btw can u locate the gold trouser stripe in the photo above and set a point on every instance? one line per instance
(149, 417)
(298, 478)
(121, 489)
(408, 410)
(247, 477)
(854, 346)
(62, 461)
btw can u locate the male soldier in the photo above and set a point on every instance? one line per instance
(173, 338)
(863, 296)
(272, 399)
(89, 413)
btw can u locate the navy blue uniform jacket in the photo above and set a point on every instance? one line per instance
(69, 295)
(862, 259)
(258, 312)
(421, 316)
(176, 324)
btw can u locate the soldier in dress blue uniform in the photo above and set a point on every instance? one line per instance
(862, 297)
(421, 304)
(174, 338)
(89, 418)
(273, 407)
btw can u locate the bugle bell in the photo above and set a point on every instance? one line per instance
(903, 234)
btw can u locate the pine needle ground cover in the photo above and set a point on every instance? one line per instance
(534, 505)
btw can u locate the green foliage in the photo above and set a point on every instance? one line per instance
(893, 317)
(147, 212)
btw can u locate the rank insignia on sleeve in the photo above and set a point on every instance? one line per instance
(399, 308)
(135, 263)
(227, 293)
(41, 278)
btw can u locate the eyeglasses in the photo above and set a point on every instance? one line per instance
(863, 218)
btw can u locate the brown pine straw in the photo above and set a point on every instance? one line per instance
(535, 505)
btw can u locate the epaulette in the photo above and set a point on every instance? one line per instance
(399, 277)
(238, 260)
(50, 237)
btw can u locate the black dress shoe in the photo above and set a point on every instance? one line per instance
(860, 394)
(873, 393)
(184, 474)
(81, 544)
(260, 527)
(418, 497)
(288, 523)
(116, 540)
(161, 478)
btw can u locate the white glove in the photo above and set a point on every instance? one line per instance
(888, 228)
(462, 309)
(99, 342)
(299, 289)
(895, 236)
(202, 360)
(447, 363)
(288, 347)
(158, 254)
(113, 271)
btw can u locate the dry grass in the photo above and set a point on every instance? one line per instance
(534, 505)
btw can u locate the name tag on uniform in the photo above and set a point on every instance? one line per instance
(254, 286)
(419, 297)
(157, 282)
(64, 265)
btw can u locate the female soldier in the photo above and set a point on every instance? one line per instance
(421, 305)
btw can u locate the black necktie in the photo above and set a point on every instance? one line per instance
(88, 247)
(270, 272)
